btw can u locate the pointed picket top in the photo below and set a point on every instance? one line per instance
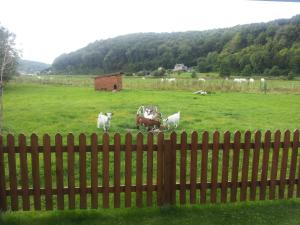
(105, 138)
(183, 134)
(237, 134)
(46, 140)
(128, 138)
(117, 138)
(139, 136)
(267, 136)
(173, 134)
(58, 138)
(205, 134)
(257, 135)
(216, 136)
(150, 136)
(247, 139)
(287, 134)
(296, 138)
(34, 139)
(277, 136)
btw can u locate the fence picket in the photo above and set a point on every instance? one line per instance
(274, 167)
(105, 171)
(245, 166)
(214, 170)
(204, 158)
(183, 168)
(139, 170)
(117, 177)
(173, 139)
(3, 201)
(94, 171)
(149, 168)
(265, 164)
(225, 163)
(35, 172)
(82, 171)
(193, 167)
(12, 172)
(71, 175)
(293, 164)
(59, 171)
(24, 172)
(128, 168)
(285, 152)
(47, 172)
(160, 168)
(235, 166)
(255, 162)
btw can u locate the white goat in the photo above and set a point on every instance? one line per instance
(251, 80)
(262, 80)
(172, 120)
(201, 79)
(104, 121)
(171, 79)
(239, 80)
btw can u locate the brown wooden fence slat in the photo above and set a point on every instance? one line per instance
(3, 201)
(255, 162)
(265, 164)
(139, 170)
(128, 169)
(293, 164)
(245, 167)
(204, 159)
(35, 172)
(183, 168)
(160, 172)
(225, 164)
(214, 169)
(235, 166)
(94, 171)
(47, 172)
(82, 171)
(24, 173)
(298, 183)
(149, 168)
(167, 172)
(117, 167)
(105, 170)
(59, 171)
(71, 173)
(193, 168)
(274, 167)
(285, 152)
(12, 172)
(173, 139)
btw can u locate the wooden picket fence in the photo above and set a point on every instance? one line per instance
(163, 171)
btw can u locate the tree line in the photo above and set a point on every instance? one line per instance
(271, 48)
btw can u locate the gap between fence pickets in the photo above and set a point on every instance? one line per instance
(111, 189)
(144, 147)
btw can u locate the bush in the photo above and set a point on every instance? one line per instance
(194, 74)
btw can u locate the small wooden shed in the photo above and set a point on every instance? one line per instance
(109, 82)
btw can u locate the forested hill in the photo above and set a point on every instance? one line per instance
(271, 48)
(31, 67)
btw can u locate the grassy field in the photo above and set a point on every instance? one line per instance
(262, 213)
(35, 107)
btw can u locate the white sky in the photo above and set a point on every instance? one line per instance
(47, 28)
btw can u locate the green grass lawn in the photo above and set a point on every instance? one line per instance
(35, 108)
(264, 212)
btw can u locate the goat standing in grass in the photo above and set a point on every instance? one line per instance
(104, 121)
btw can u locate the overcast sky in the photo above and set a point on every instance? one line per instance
(47, 28)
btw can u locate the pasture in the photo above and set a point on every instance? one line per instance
(67, 104)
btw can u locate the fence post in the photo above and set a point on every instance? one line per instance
(169, 178)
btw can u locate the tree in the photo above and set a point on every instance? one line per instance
(8, 63)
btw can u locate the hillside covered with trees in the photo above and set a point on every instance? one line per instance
(31, 67)
(271, 48)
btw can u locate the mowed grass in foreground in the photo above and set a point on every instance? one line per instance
(263, 212)
(40, 109)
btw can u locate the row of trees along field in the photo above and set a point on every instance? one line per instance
(8, 63)
(271, 48)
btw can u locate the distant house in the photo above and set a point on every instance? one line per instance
(180, 67)
(108, 82)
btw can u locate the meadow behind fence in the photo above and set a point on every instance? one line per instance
(156, 170)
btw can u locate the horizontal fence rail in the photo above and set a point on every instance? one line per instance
(155, 170)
